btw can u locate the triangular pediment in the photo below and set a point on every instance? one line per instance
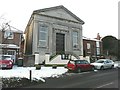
(59, 12)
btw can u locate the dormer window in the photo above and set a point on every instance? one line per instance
(8, 35)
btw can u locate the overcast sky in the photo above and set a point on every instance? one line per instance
(100, 16)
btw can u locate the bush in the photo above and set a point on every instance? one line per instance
(38, 67)
(54, 66)
(18, 82)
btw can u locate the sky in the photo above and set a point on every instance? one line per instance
(100, 16)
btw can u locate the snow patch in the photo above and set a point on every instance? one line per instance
(24, 72)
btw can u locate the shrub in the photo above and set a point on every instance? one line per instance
(14, 82)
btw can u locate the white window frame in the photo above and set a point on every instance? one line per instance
(88, 46)
(43, 42)
(98, 51)
(11, 52)
(75, 40)
(9, 35)
(97, 44)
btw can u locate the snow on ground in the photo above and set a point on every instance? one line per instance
(44, 72)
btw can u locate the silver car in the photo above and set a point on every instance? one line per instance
(103, 64)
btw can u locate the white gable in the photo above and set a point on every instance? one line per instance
(60, 13)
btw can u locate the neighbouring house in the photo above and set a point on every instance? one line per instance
(53, 31)
(21, 54)
(92, 48)
(10, 42)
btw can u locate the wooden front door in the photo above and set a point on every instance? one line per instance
(60, 43)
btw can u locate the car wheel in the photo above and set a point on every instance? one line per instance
(112, 66)
(102, 68)
(78, 70)
(93, 68)
(69, 71)
(11, 67)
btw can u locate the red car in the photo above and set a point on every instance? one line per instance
(79, 65)
(6, 62)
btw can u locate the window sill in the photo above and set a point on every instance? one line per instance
(42, 47)
(76, 49)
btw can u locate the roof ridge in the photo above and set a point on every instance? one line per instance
(49, 8)
(60, 6)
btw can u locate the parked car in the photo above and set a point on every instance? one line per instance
(103, 64)
(6, 62)
(9, 56)
(79, 65)
(117, 64)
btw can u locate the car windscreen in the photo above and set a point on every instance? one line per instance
(72, 62)
(6, 58)
(81, 62)
(99, 61)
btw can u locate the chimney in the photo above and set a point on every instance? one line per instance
(98, 36)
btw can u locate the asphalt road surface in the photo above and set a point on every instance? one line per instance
(0, 83)
(99, 79)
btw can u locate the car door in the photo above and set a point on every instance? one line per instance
(82, 65)
(105, 64)
(109, 64)
(88, 65)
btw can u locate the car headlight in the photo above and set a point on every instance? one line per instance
(10, 62)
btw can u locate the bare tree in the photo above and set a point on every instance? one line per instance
(3, 23)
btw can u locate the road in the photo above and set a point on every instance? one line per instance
(0, 83)
(100, 79)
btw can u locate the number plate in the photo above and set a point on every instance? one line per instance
(3, 65)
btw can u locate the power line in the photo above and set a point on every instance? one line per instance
(13, 27)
